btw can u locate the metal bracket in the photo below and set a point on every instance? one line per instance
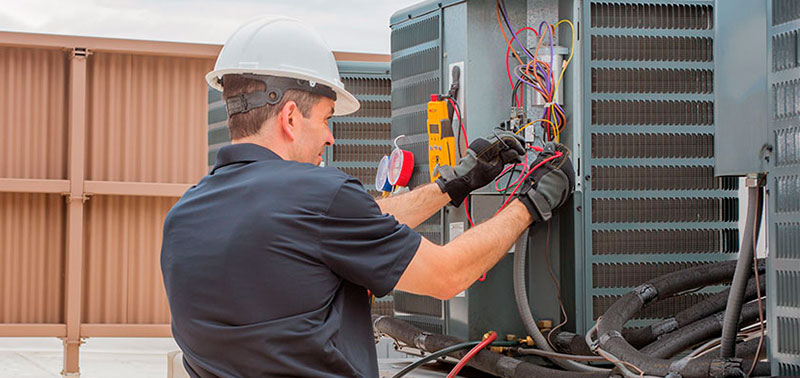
(69, 197)
(80, 52)
(754, 180)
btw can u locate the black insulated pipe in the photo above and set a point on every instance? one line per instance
(733, 309)
(641, 337)
(486, 361)
(675, 342)
(609, 326)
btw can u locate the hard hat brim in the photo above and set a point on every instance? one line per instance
(345, 103)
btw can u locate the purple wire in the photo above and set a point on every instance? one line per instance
(513, 37)
(548, 84)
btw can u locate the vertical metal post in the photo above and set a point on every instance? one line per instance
(75, 198)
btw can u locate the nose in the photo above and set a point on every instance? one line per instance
(329, 140)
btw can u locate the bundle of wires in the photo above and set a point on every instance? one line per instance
(535, 73)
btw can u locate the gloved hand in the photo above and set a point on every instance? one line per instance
(550, 185)
(484, 161)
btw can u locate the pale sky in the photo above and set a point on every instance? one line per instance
(347, 25)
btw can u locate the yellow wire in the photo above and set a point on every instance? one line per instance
(531, 123)
(571, 53)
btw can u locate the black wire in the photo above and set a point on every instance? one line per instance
(461, 123)
(446, 351)
(517, 85)
(435, 355)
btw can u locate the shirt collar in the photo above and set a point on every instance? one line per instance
(243, 153)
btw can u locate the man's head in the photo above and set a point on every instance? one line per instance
(296, 127)
(303, 87)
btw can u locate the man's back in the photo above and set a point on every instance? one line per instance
(266, 264)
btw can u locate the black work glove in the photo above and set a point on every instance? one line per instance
(484, 161)
(550, 185)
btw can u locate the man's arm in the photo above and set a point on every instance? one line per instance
(414, 207)
(444, 271)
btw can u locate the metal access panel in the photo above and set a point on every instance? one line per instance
(740, 86)
(651, 203)
(783, 187)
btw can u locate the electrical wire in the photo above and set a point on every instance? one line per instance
(492, 337)
(556, 155)
(557, 287)
(543, 353)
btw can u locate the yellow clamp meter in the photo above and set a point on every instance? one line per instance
(441, 141)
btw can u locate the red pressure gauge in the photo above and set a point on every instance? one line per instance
(401, 164)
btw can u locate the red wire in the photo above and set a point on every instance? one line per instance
(472, 352)
(511, 196)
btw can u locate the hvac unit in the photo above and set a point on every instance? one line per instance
(639, 101)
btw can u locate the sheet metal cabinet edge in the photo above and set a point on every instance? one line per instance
(590, 131)
(783, 188)
(740, 86)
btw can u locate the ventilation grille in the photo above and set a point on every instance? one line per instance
(655, 310)
(627, 242)
(360, 153)
(788, 288)
(660, 178)
(785, 369)
(648, 49)
(373, 109)
(652, 146)
(368, 86)
(633, 274)
(417, 304)
(218, 135)
(644, 210)
(416, 63)
(784, 11)
(412, 34)
(788, 241)
(362, 131)
(784, 51)
(788, 194)
(788, 146)
(787, 99)
(411, 124)
(416, 92)
(620, 112)
(652, 16)
(634, 80)
(431, 325)
(789, 331)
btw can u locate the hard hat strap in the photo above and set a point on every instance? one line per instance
(275, 88)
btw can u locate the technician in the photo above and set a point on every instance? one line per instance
(268, 259)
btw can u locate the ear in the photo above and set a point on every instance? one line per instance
(289, 119)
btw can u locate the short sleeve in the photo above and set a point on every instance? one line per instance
(361, 244)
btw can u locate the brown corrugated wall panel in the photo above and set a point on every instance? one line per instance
(122, 275)
(147, 118)
(31, 258)
(33, 112)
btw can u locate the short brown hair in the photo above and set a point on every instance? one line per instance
(242, 125)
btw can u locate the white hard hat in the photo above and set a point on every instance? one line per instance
(283, 47)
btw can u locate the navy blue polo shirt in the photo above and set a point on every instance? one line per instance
(267, 263)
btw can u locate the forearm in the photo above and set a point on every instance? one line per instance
(414, 207)
(480, 248)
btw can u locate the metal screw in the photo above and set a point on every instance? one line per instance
(588, 177)
(579, 208)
